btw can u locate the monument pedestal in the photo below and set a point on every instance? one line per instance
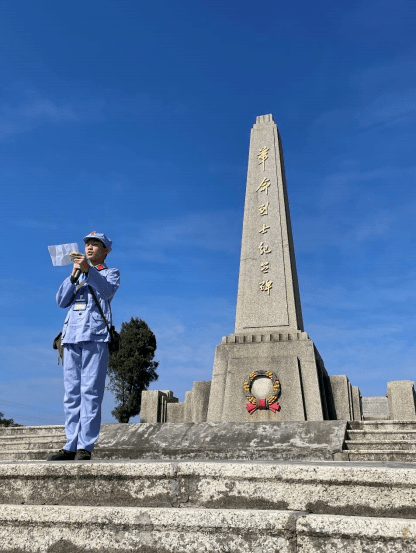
(291, 356)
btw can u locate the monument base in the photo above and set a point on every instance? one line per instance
(290, 356)
(307, 441)
(246, 368)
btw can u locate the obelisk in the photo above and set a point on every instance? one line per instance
(269, 370)
(268, 292)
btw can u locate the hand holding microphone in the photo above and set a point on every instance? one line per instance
(80, 266)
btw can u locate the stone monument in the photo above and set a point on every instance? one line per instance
(269, 346)
(269, 370)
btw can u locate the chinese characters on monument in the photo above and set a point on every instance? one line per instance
(264, 285)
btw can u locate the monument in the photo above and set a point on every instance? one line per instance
(269, 370)
(269, 358)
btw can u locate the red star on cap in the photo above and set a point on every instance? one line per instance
(93, 232)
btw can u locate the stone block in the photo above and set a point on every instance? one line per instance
(356, 403)
(175, 412)
(200, 401)
(150, 408)
(341, 396)
(188, 407)
(375, 408)
(310, 440)
(401, 400)
(154, 405)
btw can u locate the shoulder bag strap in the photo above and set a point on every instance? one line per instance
(99, 307)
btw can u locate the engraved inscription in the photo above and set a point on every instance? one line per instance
(263, 155)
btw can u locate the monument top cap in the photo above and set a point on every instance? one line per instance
(265, 119)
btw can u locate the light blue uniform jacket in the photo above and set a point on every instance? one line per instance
(87, 324)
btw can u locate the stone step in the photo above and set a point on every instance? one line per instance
(322, 488)
(16, 443)
(27, 454)
(375, 418)
(394, 455)
(382, 425)
(333, 534)
(67, 529)
(41, 452)
(29, 446)
(12, 438)
(151, 530)
(402, 445)
(380, 435)
(32, 430)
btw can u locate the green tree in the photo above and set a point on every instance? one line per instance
(7, 422)
(132, 368)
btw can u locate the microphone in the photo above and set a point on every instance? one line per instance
(75, 276)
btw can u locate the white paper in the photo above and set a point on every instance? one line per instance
(60, 254)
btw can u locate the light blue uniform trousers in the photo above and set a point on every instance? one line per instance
(85, 369)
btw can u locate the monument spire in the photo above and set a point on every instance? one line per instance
(268, 291)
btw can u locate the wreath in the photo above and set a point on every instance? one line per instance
(262, 402)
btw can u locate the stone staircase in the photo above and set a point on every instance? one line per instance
(380, 441)
(30, 443)
(196, 506)
(192, 506)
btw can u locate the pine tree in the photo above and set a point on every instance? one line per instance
(132, 368)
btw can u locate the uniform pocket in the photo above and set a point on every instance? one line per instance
(98, 325)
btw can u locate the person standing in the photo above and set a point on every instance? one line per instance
(85, 340)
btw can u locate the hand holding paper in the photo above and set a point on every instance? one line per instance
(61, 255)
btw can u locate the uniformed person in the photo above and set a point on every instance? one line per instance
(85, 340)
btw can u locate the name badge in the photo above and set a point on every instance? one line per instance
(80, 306)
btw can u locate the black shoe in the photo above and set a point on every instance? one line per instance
(63, 455)
(82, 455)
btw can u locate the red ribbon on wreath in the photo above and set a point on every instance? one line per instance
(251, 408)
(262, 404)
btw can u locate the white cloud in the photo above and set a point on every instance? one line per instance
(193, 233)
(388, 109)
(27, 108)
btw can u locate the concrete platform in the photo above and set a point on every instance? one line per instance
(311, 440)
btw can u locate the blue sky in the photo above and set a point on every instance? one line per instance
(133, 119)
